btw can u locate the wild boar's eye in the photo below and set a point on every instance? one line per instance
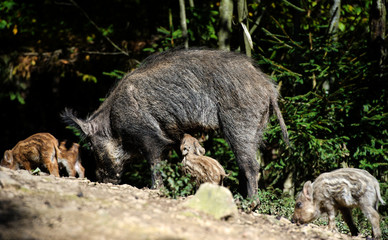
(298, 205)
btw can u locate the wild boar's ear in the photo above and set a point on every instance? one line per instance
(70, 119)
(199, 149)
(308, 190)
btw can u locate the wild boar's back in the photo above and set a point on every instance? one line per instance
(347, 186)
(181, 90)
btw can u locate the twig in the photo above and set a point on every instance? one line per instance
(102, 53)
(294, 6)
(276, 38)
(281, 67)
(257, 22)
(98, 28)
(285, 33)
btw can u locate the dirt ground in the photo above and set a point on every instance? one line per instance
(46, 207)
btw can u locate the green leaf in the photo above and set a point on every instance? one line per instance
(341, 26)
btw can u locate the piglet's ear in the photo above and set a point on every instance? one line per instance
(8, 156)
(308, 190)
(199, 149)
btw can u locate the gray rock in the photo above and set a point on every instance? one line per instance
(213, 200)
(7, 182)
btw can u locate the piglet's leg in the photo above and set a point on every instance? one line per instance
(331, 214)
(374, 219)
(347, 216)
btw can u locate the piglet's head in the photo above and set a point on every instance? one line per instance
(8, 161)
(190, 145)
(305, 210)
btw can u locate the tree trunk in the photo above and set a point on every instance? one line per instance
(333, 31)
(226, 15)
(242, 11)
(191, 3)
(335, 18)
(378, 51)
(184, 22)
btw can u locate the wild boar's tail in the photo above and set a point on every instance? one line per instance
(274, 102)
(379, 195)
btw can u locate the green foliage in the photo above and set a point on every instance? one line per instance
(315, 145)
(334, 102)
(202, 25)
(335, 113)
(6, 8)
(137, 173)
(36, 171)
(272, 202)
(176, 184)
(202, 30)
(18, 96)
(167, 40)
(117, 74)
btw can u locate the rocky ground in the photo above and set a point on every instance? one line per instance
(46, 207)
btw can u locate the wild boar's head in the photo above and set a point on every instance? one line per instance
(107, 151)
(305, 210)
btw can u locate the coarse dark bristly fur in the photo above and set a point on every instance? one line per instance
(180, 91)
(340, 190)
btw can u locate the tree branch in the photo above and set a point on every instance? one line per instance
(98, 28)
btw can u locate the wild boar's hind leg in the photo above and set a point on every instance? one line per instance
(54, 164)
(374, 219)
(51, 163)
(244, 145)
(347, 216)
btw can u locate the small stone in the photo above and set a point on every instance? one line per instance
(214, 200)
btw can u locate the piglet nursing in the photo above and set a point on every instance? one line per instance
(201, 168)
(342, 190)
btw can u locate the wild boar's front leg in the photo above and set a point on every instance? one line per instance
(156, 175)
(331, 215)
(153, 154)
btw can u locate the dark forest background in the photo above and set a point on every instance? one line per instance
(329, 58)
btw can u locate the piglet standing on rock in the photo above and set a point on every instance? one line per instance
(342, 190)
(39, 150)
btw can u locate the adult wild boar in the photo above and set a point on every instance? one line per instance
(182, 91)
(341, 189)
